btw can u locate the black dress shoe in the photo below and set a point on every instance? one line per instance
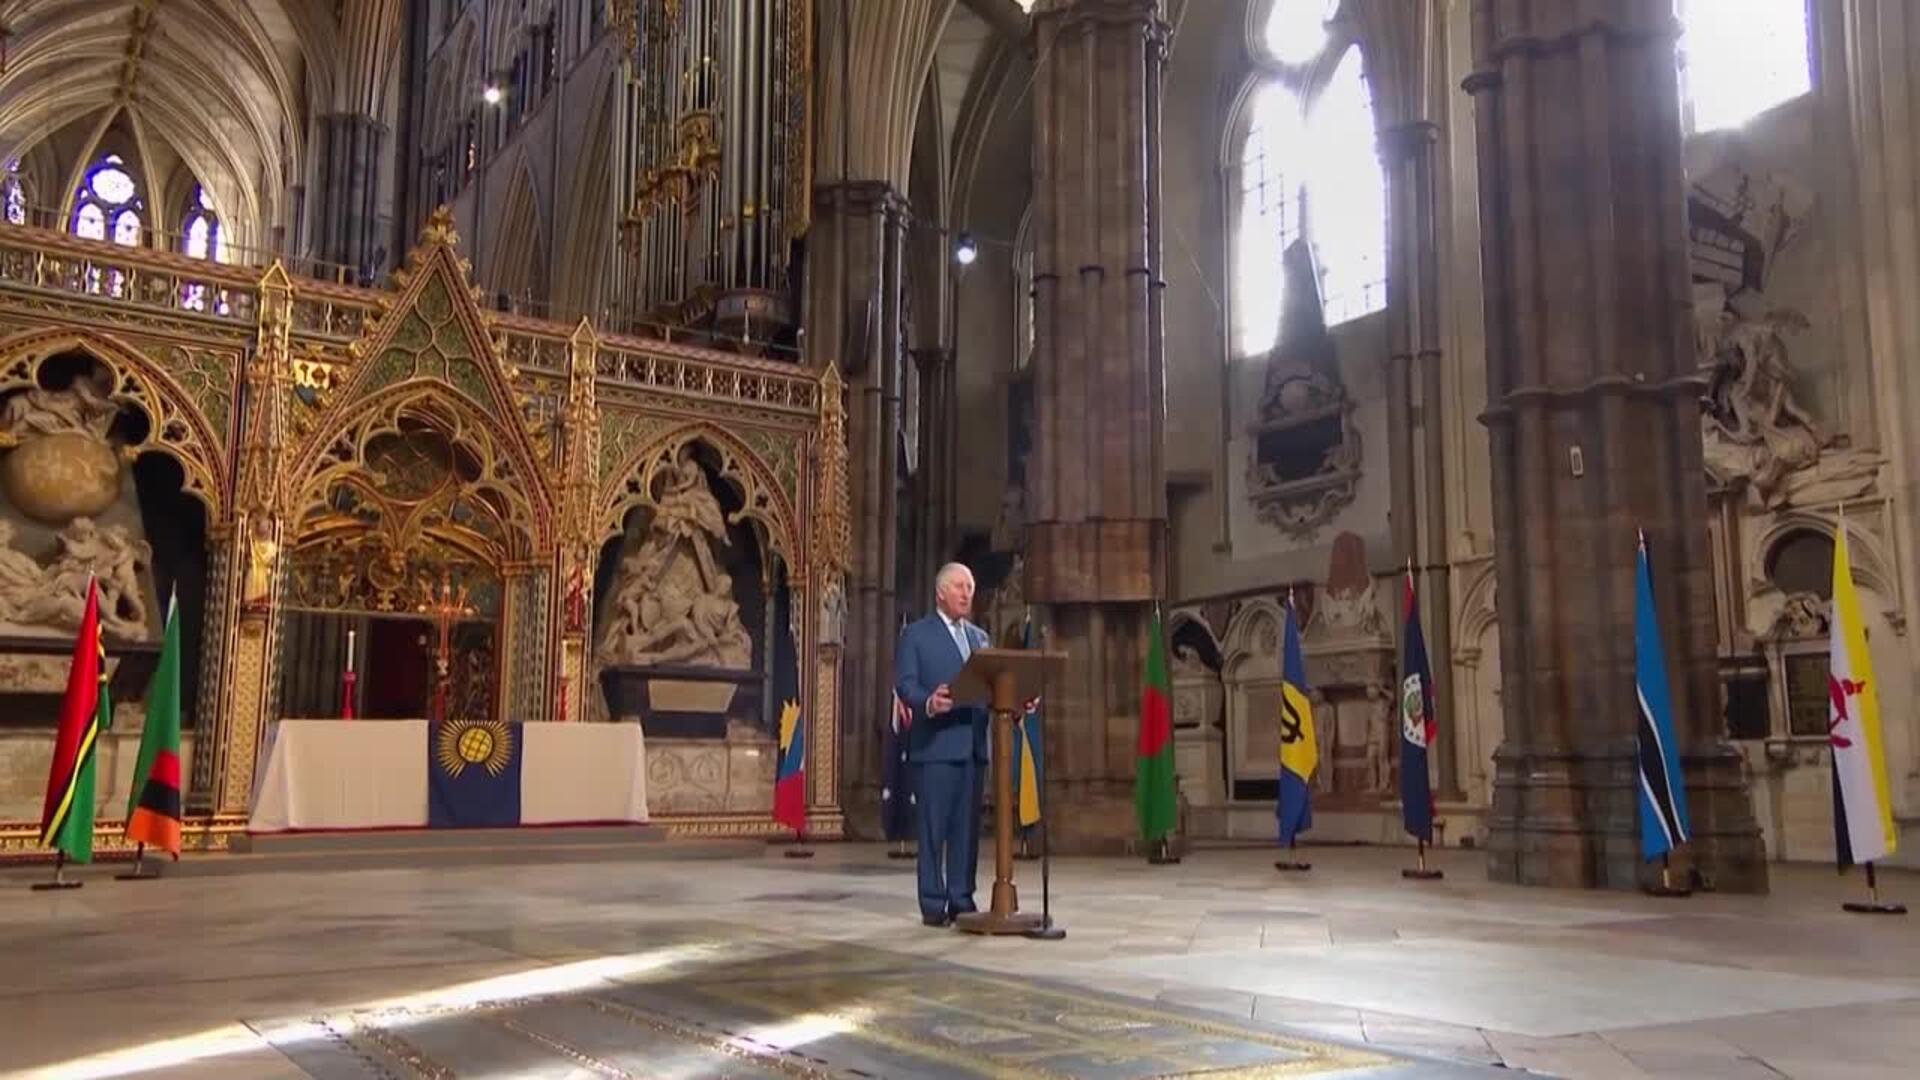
(939, 920)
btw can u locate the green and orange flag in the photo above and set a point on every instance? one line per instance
(66, 822)
(153, 799)
(1153, 798)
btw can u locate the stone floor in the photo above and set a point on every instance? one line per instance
(676, 960)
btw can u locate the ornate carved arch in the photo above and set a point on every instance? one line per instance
(1253, 637)
(763, 498)
(1864, 546)
(177, 425)
(503, 477)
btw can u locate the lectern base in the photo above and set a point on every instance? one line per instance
(990, 922)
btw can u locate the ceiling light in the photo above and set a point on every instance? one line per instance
(965, 250)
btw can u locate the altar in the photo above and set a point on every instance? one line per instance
(335, 775)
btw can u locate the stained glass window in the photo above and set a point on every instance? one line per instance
(14, 194)
(109, 195)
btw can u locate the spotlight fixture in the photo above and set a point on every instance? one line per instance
(965, 250)
(491, 95)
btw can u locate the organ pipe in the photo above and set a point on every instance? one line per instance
(713, 184)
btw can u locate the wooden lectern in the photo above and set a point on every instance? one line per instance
(1002, 680)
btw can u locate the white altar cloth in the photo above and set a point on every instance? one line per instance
(372, 774)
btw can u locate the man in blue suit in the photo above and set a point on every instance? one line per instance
(946, 745)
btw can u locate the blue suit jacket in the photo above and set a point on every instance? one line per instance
(926, 657)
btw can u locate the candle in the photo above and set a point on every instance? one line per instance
(349, 651)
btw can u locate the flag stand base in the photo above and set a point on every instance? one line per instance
(796, 848)
(901, 851)
(139, 871)
(1046, 931)
(1162, 855)
(59, 878)
(1287, 866)
(1873, 905)
(1423, 872)
(1666, 888)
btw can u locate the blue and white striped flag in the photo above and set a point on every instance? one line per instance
(1663, 791)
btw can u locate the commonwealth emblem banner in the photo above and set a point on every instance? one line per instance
(1862, 805)
(1663, 793)
(1299, 749)
(473, 774)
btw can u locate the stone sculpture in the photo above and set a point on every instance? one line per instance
(672, 604)
(55, 596)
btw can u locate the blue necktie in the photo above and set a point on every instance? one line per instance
(960, 641)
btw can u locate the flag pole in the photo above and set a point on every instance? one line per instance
(1872, 906)
(1420, 871)
(1291, 864)
(139, 871)
(59, 876)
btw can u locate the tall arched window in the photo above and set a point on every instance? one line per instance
(1739, 58)
(1306, 165)
(13, 193)
(203, 238)
(108, 204)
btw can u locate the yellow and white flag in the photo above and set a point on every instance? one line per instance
(1863, 809)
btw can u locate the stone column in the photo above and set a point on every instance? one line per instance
(855, 299)
(346, 221)
(1594, 420)
(1096, 554)
(934, 512)
(1401, 40)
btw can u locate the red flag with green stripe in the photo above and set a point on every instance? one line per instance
(1153, 800)
(66, 822)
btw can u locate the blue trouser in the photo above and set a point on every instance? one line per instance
(947, 794)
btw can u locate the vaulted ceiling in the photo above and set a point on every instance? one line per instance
(222, 84)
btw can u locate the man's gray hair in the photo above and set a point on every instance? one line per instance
(948, 573)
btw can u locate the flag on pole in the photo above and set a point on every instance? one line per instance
(1862, 809)
(1418, 724)
(1663, 792)
(153, 799)
(66, 821)
(1028, 753)
(1153, 798)
(1299, 749)
(790, 772)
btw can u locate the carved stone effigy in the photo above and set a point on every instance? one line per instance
(1350, 664)
(671, 603)
(1756, 431)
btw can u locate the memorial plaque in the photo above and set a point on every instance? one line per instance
(1808, 706)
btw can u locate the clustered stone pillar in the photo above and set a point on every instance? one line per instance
(351, 153)
(1096, 556)
(1594, 418)
(857, 306)
(1402, 42)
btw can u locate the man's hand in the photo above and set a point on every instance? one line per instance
(941, 702)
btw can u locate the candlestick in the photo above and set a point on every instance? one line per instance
(349, 651)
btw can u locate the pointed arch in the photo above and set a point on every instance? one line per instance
(764, 499)
(177, 425)
(517, 260)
